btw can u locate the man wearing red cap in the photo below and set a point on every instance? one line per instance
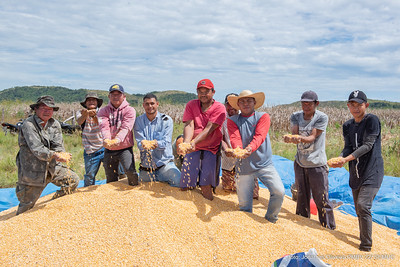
(203, 118)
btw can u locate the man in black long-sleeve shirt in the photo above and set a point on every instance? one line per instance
(362, 149)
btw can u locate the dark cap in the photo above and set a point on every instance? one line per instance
(116, 87)
(358, 96)
(48, 100)
(92, 95)
(309, 96)
(226, 97)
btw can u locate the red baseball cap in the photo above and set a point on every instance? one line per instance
(206, 83)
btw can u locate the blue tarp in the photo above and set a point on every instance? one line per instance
(385, 209)
(8, 199)
(386, 205)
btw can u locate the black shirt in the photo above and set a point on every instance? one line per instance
(363, 140)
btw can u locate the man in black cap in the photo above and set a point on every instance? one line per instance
(308, 128)
(41, 152)
(362, 149)
(92, 139)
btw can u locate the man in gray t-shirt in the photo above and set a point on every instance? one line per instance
(311, 172)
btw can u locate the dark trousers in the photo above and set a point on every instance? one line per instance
(63, 177)
(363, 198)
(112, 159)
(315, 181)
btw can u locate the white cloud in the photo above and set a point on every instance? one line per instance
(280, 47)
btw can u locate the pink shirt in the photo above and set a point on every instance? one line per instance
(215, 114)
(118, 123)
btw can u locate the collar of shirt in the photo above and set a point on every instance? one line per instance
(40, 122)
(154, 120)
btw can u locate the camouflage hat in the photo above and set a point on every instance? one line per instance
(92, 95)
(48, 100)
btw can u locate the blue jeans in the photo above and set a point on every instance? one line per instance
(92, 165)
(270, 178)
(168, 173)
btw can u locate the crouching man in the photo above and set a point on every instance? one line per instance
(40, 155)
(157, 160)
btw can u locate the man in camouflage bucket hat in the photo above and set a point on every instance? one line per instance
(39, 159)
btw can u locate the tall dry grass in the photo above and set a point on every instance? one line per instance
(12, 112)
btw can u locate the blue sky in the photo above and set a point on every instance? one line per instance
(281, 48)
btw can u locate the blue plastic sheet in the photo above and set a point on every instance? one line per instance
(8, 199)
(385, 209)
(386, 205)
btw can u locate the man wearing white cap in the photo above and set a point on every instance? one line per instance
(249, 130)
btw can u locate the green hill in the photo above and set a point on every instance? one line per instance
(380, 104)
(66, 95)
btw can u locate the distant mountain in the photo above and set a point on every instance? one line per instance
(66, 95)
(381, 104)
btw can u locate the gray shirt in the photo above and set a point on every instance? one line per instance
(310, 155)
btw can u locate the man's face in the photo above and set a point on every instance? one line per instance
(91, 103)
(150, 106)
(230, 110)
(44, 112)
(309, 107)
(246, 105)
(357, 109)
(205, 95)
(116, 98)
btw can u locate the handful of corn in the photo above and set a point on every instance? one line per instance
(184, 147)
(292, 135)
(65, 156)
(149, 144)
(237, 152)
(110, 142)
(334, 161)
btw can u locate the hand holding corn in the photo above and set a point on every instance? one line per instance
(337, 162)
(238, 152)
(109, 143)
(185, 148)
(292, 138)
(62, 156)
(149, 144)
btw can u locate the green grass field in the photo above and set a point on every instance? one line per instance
(334, 145)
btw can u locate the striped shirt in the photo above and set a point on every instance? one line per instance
(92, 138)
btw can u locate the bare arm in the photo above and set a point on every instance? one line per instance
(311, 138)
(210, 127)
(188, 131)
(83, 117)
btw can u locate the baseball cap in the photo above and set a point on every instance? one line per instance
(358, 96)
(116, 87)
(309, 96)
(206, 83)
